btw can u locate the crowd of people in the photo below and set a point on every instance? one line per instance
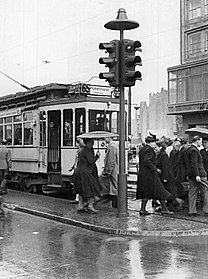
(170, 174)
(173, 174)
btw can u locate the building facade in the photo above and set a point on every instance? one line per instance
(154, 118)
(188, 82)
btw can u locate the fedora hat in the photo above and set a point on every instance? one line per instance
(151, 138)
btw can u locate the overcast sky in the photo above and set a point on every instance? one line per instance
(67, 34)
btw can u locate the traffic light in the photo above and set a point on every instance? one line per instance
(112, 62)
(130, 61)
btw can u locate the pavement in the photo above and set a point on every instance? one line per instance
(106, 220)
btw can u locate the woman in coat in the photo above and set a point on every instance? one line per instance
(86, 180)
(149, 185)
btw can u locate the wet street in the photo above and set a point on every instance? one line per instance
(33, 247)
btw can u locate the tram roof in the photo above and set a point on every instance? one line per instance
(37, 94)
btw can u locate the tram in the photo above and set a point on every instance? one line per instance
(41, 126)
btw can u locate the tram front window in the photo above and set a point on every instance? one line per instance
(102, 120)
(80, 121)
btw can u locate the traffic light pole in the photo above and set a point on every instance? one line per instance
(122, 176)
(121, 23)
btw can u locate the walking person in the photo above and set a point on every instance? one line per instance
(86, 179)
(197, 177)
(5, 165)
(109, 177)
(149, 185)
(79, 144)
(204, 154)
(166, 176)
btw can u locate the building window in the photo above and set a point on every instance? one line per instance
(194, 9)
(194, 42)
(182, 85)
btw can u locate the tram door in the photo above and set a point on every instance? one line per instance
(54, 141)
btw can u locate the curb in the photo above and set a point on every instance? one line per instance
(136, 232)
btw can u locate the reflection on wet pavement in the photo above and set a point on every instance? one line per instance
(37, 248)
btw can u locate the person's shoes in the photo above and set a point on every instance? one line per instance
(81, 210)
(114, 201)
(194, 214)
(106, 199)
(178, 202)
(74, 202)
(167, 212)
(144, 212)
(158, 209)
(155, 203)
(92, 209)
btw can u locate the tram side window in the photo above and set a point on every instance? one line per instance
(79, 121)
(28, 129)
(42, 128)
(17, 130)
(68, 127)
(8, 129)
(1, 129)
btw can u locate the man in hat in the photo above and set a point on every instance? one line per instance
(197, 177)
(109, 176)
(5, 165)
(204, 153)
(149, 185)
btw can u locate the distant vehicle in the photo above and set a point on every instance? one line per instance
(41, 126)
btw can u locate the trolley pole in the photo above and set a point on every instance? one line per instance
(122, 23)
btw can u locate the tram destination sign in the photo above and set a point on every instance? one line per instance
(100, 90)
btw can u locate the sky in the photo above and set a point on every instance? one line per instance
(67, 33)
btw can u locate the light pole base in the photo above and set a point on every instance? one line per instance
(122, 195)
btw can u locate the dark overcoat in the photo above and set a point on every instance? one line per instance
(162, 163)
(196, 167)
(149, 184)
(86, 179)
(204, 154)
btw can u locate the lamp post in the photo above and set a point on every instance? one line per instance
(122, 23)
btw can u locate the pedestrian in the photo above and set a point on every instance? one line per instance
(166, 176)
(181, 179)
(5, 165)
(86, 179)
(149, 185)
(204, 153)
(197, 177)
(109, 177)
(174, 154)
(79, 145)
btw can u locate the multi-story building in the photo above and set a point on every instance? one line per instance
(188, 82)
(154, 118)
